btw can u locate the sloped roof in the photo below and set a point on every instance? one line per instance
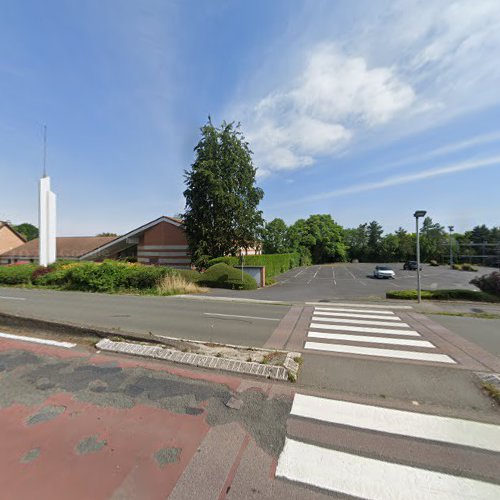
(6, 224)
(121, 239)
(66, 246)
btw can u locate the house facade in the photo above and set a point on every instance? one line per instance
(9, 238)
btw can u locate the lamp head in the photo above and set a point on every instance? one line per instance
(419, 213)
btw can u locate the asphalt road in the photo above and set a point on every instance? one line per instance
(111, 426)
(353, 281)
(215, 321)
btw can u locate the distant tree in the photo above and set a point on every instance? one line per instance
(356, 240)
(479, 234)
(221, 214)
(320, 237)
(106, 234)
(433, 241)
(406, 245)
(375, 232)
(29, 231)
(274, 237)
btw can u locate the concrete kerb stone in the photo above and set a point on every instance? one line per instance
(287, 372)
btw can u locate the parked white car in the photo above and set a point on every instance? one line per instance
(384, 272)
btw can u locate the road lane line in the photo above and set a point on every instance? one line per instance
(364, 329)
(12, 298)
(341, 304)
(369, 478)
(36, 340)
(354, 277)
(379, 352)
(361, 311)
(360, 322)
(401, 422)
(244, 317)
(318, 311)
(368, 339)
(300, 272)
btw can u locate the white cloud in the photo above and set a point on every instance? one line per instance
(319, 113)
(400, 179)
(398, 68)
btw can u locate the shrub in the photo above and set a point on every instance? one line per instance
(453, 294)
(469, 267)
(433, 263)
(223, 276)
(174, 284)
(457, 267)
(17, 274)
(275, 263)
(111, 276)
(489, 283)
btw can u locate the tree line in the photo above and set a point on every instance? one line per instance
(321, 239)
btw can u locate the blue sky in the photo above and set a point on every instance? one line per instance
(364, 110)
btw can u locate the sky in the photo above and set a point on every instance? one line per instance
(364, 110)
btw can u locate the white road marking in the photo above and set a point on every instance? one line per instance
(318, 311)
(341, 304)
(404, 423)
(12, 298)
(373, 340)
(36, 340)
(364, 329)
(360, 321)
(376, 351)
(300, 272)
(244, 317)
(336, 309)
(369, 478)
(354, 277)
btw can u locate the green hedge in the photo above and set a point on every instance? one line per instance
(223, 276)
(17, 274)
(275, 263)
(452, 294)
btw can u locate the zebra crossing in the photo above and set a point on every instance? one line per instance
(368, 331)
(424, 456)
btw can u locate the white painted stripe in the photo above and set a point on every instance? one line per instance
(12, 298)
(320, 312)
(360, 322)
(364, 477)
(342, 304)
(338, 309)
(404, 423)
(162, 247)
(374, 340)
(375, 351)
(364, 329)
(237, 316)
(159, 253)
(37, 340)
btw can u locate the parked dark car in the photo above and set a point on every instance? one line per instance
(411, 265)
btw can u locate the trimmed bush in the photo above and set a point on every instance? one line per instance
(469, 267)
(17, 274)
(457, 267)
(453, 294)
(489, 283)
(433, 263)
(223, 276)
(275, 263)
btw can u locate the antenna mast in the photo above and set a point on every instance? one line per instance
(44, 150)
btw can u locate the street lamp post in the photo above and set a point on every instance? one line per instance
(451, 229)
(417, 215)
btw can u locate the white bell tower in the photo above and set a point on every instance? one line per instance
(46, 217)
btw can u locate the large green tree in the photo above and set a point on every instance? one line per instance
(221, 214)
(274, 237)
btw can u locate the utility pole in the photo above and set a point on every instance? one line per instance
(451, 229)
(417, 214)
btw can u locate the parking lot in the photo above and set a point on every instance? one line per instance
(352, 281)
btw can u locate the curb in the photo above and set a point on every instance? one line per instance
(287, 372)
